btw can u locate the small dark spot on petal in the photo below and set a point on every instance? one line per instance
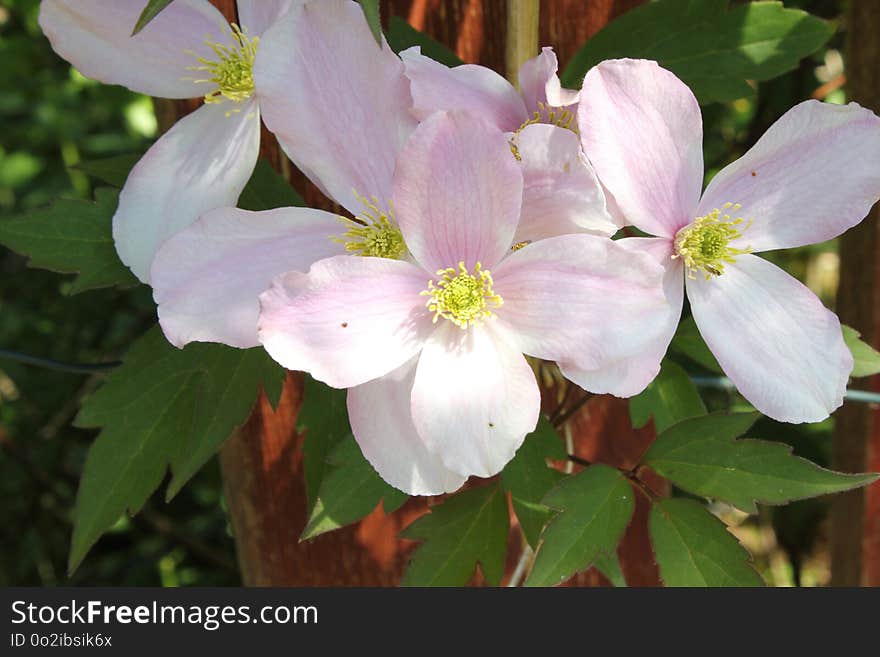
(754, 173)
(344, 325)
(491, 425)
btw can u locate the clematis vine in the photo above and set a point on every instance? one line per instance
(814, 174)
(188, 50)
(432, 347)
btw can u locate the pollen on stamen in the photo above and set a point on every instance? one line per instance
(561, 118)
(704, 244)
(232, 71)
(372, 233)
(462, 297)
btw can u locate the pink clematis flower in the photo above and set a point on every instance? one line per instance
(560, 194)
(814, 174)
(189, 50)
(340, 105)
(431, 348)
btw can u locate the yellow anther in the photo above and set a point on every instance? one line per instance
(373, 232)
(462, 297)
(232, 72)
(561, 118)
(704, 244)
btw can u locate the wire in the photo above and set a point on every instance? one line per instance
(723, 383)
(57, 365)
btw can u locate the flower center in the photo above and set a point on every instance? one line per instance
(462, 297)
(704, 245)
(561, 118)
(232, 72)
(372, 233)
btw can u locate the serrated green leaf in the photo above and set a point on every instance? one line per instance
(111, 170)
(469, 528)
(163, 407)
(700, 456)
(324, 419)
(595, 506)
(71, 237)
(371, 13)
(402, 35)
(694, 548)
(349, 491)
(528, 478)
(150, 12)
(688, 341)
(866, 359)
(669, 398)
(267, 190)
(712, 48)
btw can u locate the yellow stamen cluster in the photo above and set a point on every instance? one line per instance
(561, 118)
(462, 297)
(704, 245)
(232, 72)
(373, 233)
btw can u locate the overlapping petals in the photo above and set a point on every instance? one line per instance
(337, 101)
(207, 278)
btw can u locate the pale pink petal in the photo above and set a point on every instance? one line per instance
(641, 128)
(561, 194)
(539, 84)
(207, 279)
(202, 163)
(814, 174)
(630, 375)
(474, 399)
(457, 192)
(773, 337)
(95, 36)
(257, 16)
(338, 103)
(469, 87)
(579, 299)
(381, 420)
(348, 321)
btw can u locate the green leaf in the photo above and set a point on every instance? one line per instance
(349, 491)
(713, 49)
(694, 548)
(670, 397)
(866, 358)
(402, 35)
(163, 407)
(701, 456)
(267, 190)
(111, 170)
(595, 506)
(324, 419)
(470, 527)
(609, 565)
(528, 478)
(371, 13)
(688, 341)
(149, 13)
(72, 236)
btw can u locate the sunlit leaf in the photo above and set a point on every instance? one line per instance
(866, 359)
(669, 398)
(467, 529)
(150, 12)
(715, 49)
(371, 13)
(694, 548)
(701, 456)
(595, 506)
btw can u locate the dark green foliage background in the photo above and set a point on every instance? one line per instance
(52, 119)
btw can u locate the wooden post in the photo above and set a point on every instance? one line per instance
(855, 516)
